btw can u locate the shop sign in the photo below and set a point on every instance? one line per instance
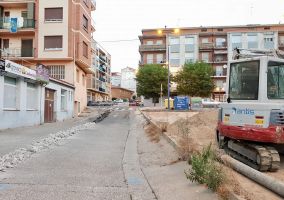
(19, 70)
(42, 73)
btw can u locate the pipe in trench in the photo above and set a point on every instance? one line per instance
(269, 182)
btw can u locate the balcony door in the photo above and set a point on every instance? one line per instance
(27, 48)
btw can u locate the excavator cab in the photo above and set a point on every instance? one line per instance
(251, 122)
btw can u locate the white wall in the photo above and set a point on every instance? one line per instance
(244, 41)
(128, 79)
(20, 117)
(69, 112)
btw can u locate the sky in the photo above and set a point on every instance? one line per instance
(117, 20)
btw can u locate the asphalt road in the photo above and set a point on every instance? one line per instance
(113, 160)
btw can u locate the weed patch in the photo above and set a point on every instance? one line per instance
(205, 170)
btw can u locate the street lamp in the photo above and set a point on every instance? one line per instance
(167, 33)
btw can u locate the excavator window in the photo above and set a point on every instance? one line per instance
(275, 80)
(244, 80)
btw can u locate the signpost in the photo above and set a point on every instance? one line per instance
(181, 103)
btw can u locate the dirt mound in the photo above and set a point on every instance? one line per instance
(194, 133)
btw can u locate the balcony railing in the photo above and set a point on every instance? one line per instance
(160, 47)
(16, 52)
(27, 23)
(102, 79)
(206, 45)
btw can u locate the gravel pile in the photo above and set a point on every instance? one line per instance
(10, 160)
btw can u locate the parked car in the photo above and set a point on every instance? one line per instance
(209, 103)
(93, 103)
(132, 103)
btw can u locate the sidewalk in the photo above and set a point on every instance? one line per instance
(12, 139)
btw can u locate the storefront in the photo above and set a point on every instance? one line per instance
(29, 97)
(20, 96)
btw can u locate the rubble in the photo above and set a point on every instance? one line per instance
(12, 159)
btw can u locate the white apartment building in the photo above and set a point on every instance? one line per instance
(116, 79)
(183, 49)
(252, 40)
(128, 81)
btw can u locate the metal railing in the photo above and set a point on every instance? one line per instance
(27, 23)
(156, 47)
(16, 52)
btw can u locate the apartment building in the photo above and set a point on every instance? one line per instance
(128, 80)
(116, 79)
(98, 82)
(213, 45)
(56, 34)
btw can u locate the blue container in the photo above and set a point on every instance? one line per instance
(181, 103)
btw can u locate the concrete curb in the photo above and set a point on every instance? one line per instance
(232, 196)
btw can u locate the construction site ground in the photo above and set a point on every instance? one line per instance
(191, 131)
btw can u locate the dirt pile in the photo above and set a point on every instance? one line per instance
(195, 132)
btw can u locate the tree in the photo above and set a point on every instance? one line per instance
(195, 79)
(149, 79)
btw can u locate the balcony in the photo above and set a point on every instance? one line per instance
(17, 53)
(15, 3)
(102, 89)
(206, 46)
(160, 47)
(27, 24)
(102, 79)
(220, 45)
(220, 52)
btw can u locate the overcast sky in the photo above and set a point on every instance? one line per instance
(124, 19)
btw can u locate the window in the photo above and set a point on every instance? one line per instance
(83, 79)
(53, 14)
(149, 42)
(189, 44)
(219, 71)
(252, 41)
(7, 17)
(275, 80)
(204, 40)
(63, 100)
(205, 57)
(10, 91)
(281, 40)
(220, 84)
(269, 41)
(159, 42)
(31, 96)
(53, 42)
(174, 45)
(77, 75)
(57, 71)
(85, 22)
(244, 80)
(220, 42)
(160, 58)
(150, 58)
(236, 41)
(5, 44)
(219, 58)
(174, 59)
(189, 57)
(85, 49)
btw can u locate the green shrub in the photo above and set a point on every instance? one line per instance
(205, 170)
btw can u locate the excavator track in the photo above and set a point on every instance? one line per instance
(262, 158)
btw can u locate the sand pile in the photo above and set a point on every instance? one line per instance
(194, 133)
